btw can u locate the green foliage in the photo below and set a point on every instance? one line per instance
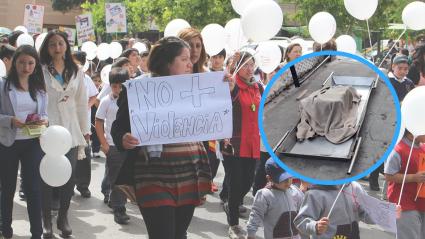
(388, 11)
(66, 5)
(197, 12)
(139, 13)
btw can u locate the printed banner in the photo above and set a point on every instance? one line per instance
(33, 18)
(116, 20)
(85, 29)
(70, 32)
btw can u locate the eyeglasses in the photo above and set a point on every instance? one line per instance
(249, 66)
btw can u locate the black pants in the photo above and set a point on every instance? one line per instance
(167, 222)
(214, 163)
(260, 180)
(83, 170)
(29, 153)
(65, 191)
(240, 173)
(373, 177)
(95, 145)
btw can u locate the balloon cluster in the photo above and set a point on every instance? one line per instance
(55, 168)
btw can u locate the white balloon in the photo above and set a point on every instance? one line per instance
(90, 49)
(175, 26)
(3, 71)
(55, 170)
(361, 9)
(322, 27)
(140, 46)
(346, 43)
(213, 36)
(56, 140)
(234, 36)
(102, 51)
(24, 39)
(240, 5)
(413, 15)
(268, 56)
(115, 50)
(39, 41)
(104, 74)
(261, 20)
(22, 29)
(413, 111)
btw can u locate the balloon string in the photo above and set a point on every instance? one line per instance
(398, 39)
(97, 65)
(370, 40)
(238, 64)
(419, 190)
(91, 67)
(246, 61)
(333, 204)
(405, 172)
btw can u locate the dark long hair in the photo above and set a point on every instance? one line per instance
(418, 58)
(163, 53)
(70, 67)
(35, 80)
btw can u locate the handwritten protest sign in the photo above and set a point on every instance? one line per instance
(33, 18)
(85, 29)
(382, 213)
(116, 20)
(180, 108)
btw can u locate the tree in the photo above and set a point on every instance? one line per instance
(66, 5)
(388, 11)
(140, 12)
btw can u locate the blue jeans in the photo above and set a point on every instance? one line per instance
(29, 153)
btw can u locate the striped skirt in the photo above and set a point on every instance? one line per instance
(182, 176)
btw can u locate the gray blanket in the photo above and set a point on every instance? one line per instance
(330, 112)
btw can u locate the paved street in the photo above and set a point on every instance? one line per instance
(90, 218)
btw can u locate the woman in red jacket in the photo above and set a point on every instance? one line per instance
(242, 151)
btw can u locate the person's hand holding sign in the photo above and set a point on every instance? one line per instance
(129, 141)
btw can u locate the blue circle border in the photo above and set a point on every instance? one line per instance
(337, 181)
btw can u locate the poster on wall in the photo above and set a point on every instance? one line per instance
(33, 18)
(70, 32)
(116, 20)
(85, 29)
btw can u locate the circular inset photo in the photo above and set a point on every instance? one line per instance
(329, 117)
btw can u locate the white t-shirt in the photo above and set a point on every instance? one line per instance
(106, 90)
(107, 111)
(25, 106)
(91, 91)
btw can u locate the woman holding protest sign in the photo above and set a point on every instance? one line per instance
(68, 108)
(198, 57)
(172, 180)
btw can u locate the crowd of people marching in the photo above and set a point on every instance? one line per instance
(169, 181)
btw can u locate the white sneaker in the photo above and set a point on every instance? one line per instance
(236, 232)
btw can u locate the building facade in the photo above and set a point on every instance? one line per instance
(12, 14)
